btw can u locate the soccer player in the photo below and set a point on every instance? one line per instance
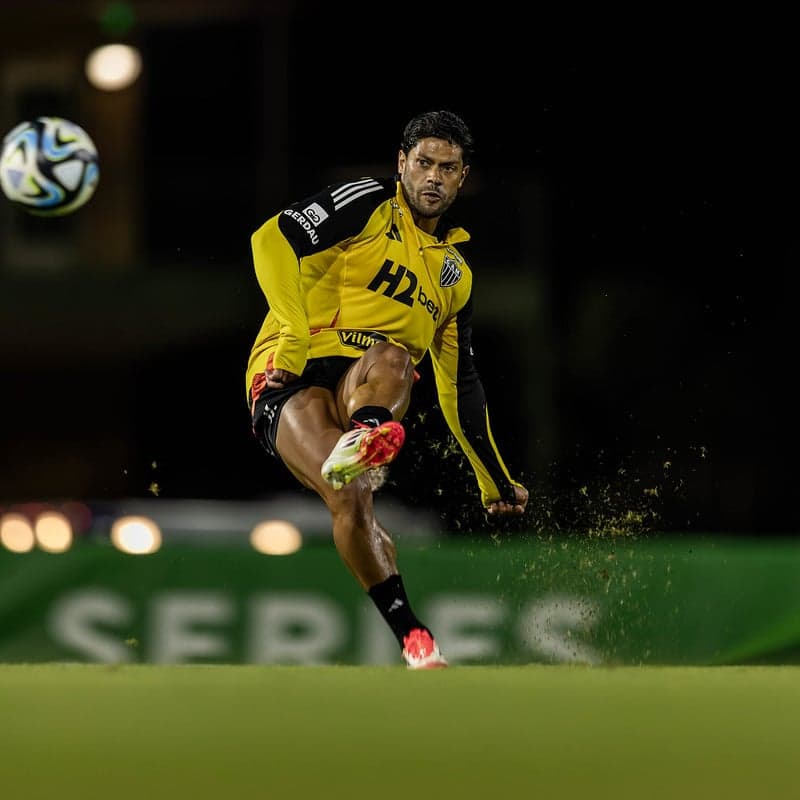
(362, 280)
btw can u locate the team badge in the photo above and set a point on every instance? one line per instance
(450, 274)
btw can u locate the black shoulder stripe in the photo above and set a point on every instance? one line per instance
(336, 213)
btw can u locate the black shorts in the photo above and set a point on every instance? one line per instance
(325, 372)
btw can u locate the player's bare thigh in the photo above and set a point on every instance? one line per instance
(388, 358)
(308, 428)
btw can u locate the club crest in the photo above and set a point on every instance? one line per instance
(451, 273)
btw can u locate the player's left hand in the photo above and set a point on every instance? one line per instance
(505, 507)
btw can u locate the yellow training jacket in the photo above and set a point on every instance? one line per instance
(347, 267)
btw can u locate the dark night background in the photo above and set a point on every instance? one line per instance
(633, 207)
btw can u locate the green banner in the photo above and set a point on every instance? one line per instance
(704, 600)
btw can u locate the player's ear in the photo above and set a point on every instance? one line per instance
(401, 160)
(464, 173)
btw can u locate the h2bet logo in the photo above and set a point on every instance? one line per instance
(401, 284)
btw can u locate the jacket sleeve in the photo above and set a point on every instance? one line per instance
(463, 402)
(278, 274)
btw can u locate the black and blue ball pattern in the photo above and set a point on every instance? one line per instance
(49, 166)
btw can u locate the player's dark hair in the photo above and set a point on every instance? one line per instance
(440, 125)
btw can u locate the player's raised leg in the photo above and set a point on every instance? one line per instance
(372, 398)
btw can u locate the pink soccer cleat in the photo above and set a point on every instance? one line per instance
(362, 449)
(421, 652)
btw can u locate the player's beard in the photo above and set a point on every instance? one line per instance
(426, 212)
(421, 211)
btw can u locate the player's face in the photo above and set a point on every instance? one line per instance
(431, 174)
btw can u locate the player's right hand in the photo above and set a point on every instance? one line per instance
(278, 378)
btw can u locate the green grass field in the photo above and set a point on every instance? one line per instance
(196, 732)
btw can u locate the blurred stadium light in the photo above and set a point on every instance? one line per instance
(136, 535)
(53, 532)
(113, 66)
(276, 538)
(16, 533)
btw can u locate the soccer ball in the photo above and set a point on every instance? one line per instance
(49, 166)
